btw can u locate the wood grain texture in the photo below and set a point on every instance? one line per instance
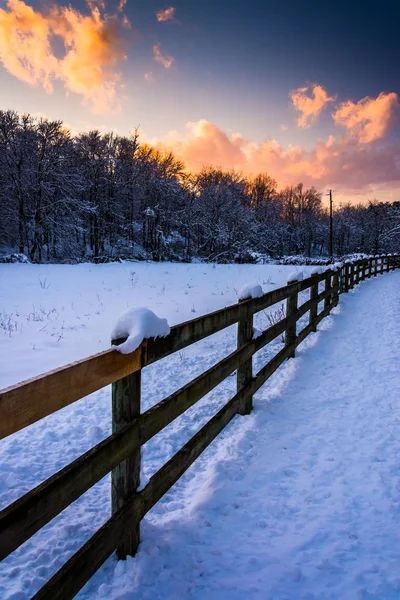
(32, 400)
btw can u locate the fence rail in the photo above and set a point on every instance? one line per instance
(24, 404)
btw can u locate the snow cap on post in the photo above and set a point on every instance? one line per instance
(295, 276)
(138, 324)
(316, 270)
(338, 265)
(250, 290)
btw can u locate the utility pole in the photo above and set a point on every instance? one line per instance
(330, 224)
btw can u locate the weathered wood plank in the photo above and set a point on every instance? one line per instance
(32, 400)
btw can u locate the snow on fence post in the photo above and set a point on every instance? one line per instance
(291, 309)
(131, 329)
(244, 336)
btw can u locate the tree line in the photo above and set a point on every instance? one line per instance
(70, 198)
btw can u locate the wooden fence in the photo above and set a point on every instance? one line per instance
(25, 403)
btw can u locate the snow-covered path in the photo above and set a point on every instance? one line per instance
(301, 499)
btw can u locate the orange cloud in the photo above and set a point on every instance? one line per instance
(340, 162)
(310, 107)
(92, 45)
(369, 119)
(166, 61)
(165, 15)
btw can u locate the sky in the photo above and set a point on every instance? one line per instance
(304, 90)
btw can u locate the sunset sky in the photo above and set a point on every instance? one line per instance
(305, 90)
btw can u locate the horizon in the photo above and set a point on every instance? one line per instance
(220, 86)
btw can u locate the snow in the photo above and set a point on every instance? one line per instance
(316, 271)
(256, 333)
(296, 501)
(137, 324)
(295, 276)
(250, 290)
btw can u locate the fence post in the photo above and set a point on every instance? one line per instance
(335, 283)
(364, 270)
(358, 271)
(382, 264)
(328, 288)
(291, 331)
(370, 267)
(346, 277)
(125, 477)
(376, 266)
(351, 279)
(387, 263)
(314, 307)
(245, 370)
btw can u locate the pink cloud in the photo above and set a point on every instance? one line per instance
(165, 15)
(310, 102)
(92, 43)
(343, 162)
(165, 60)
(369, 119)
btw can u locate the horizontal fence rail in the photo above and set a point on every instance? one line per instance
(24, 404)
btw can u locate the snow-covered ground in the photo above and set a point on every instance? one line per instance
(299, 500)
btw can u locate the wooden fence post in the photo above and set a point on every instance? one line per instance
(364, 270)
(370, 267)
(314, 307)
(245, 371)
(125, 478)
(328, 288)
(291, 331)
(387, 263)
(376, 266)
(346, 277)
(335, 283)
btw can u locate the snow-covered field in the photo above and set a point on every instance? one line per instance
(299, 500)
